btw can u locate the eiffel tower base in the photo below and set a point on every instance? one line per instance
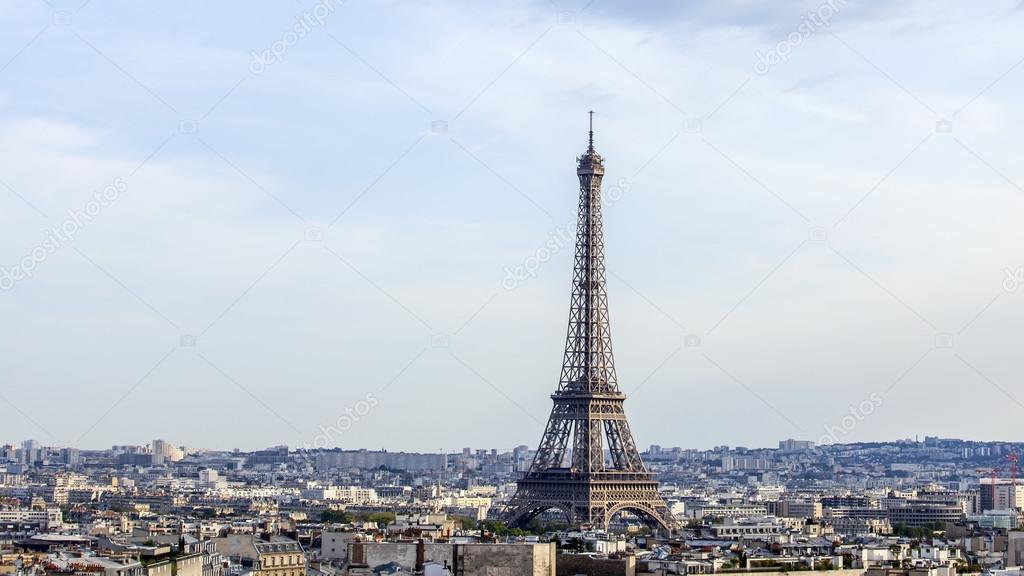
(589, 501)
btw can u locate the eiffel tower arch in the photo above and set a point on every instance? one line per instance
(571, 471)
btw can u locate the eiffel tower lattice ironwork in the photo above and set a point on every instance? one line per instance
(586, 484)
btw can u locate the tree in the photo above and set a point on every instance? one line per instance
(918, 532)
(500, 529)
(574, 544)
(380, 517)
(464, 522)
(336, 516)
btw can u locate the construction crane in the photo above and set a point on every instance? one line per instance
(993, 473)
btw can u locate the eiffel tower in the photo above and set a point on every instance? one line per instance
(588, 487)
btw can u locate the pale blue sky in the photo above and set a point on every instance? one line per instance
(808, 222)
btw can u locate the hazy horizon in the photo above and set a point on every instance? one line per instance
(455, 450)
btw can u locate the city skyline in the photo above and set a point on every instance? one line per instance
(241, 228)
(916, 509)
(645, 449)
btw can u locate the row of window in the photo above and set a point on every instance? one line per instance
(289, 560)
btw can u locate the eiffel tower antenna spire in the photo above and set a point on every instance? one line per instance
(591, 148)
(570, 471)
